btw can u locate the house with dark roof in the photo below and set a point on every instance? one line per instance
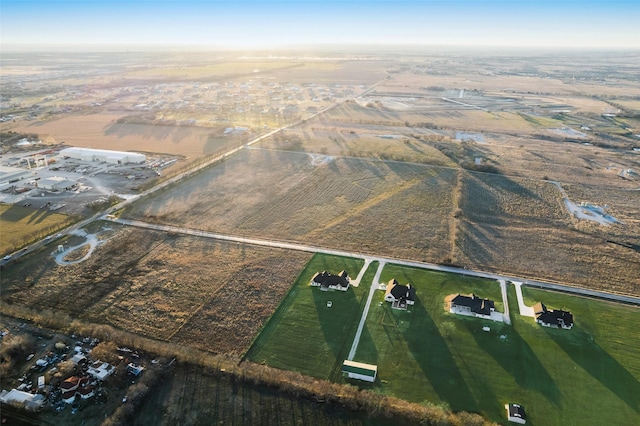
(326, 281)
(515, 413)
(471, 305)
(552, 317)
(399, 295)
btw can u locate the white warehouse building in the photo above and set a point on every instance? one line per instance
(103, 155)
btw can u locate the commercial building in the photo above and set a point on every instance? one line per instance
(103, 155)
(11, 175)
(56, 183)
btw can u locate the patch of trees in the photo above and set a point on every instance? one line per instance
(290, 382)
(12, 137)
(14, 348)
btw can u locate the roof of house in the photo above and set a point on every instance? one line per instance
(399, 291)
(477, 304)
(359, 368)
(70, 383)
(516, 410)
(325, 279)
(556, 316)
(403, 291)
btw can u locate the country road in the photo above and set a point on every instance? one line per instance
(633, 300)
(628, 299)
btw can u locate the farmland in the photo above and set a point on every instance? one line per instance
(21, 225)
(215, 299)
(432, 158)
(191, 395)
(283, 195)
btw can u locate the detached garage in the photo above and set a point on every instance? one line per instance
(359, 370)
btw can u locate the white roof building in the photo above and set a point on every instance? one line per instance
(101, 372)
(13, 174)
(103, 155)
(56, 183)
(28, 400)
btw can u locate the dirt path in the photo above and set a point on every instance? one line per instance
(374, 286)
(586, 213)
(92, 241)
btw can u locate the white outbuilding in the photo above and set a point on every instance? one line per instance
(359, 370)
(103, 155)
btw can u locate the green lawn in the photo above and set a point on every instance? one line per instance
(584, 376)
(588, 375)
(304, 334)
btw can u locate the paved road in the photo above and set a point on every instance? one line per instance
(164, 184)
(364, 268)
(315, 249)
(374, 286)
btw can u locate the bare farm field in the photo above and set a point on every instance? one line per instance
(381, 142)
(490, 80)
(102, 131)
(399, 209)
(522, 227)
(212, 295)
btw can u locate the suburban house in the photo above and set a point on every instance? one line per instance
(552, 318)
(399, 295)
(359, 370)
(327, 281)
(471, 305)
(516, 414)
(75, 385)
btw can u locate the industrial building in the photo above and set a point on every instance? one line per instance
(103, 155)
(56, 183)
(13, 174)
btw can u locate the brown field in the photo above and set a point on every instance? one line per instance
(510, 83)
(458, 119)
(214, 296)
(103, 132)
(280, 195)
(522, 227)
(352, 141)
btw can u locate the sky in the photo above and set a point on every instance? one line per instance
(277, 24)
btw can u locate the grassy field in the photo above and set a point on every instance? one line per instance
(384, 207)
(428, 355)
(22, 225)
(304, 334)
(522, 227)
(208, 294)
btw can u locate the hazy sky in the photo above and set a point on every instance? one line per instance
(272, 24)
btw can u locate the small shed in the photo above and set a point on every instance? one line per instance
(360, 371)
(515, 413)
